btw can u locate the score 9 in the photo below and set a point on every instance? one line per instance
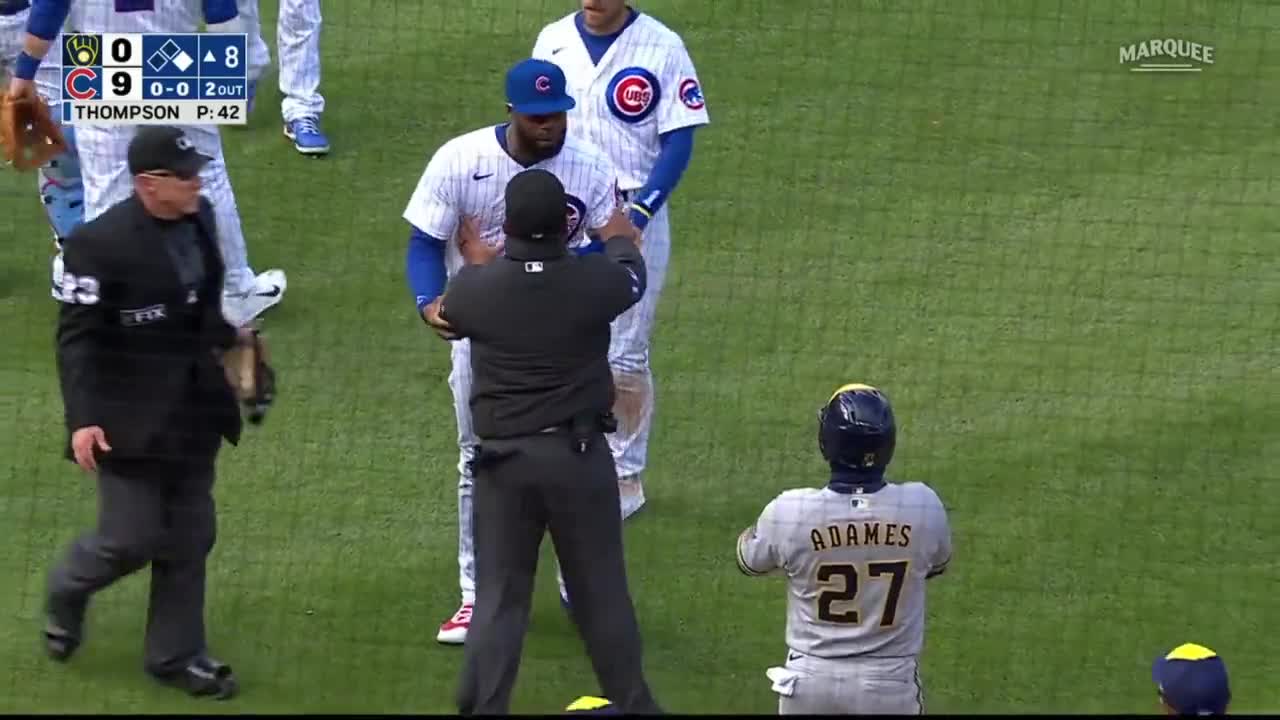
(123, 84)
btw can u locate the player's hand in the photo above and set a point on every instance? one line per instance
(431, 313)
(620, 225)
(85, 442)
(473, 249)
(21, 88)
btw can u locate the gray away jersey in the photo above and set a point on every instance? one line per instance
(855, 564)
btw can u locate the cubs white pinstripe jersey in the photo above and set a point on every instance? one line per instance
(136, 16)
(468, 176)
(644, 86)
(855, 564)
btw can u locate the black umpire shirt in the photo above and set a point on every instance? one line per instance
(538, 321)
(138, 330)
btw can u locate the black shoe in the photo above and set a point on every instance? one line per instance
(59, 642)
(64, 626)
(202, 677)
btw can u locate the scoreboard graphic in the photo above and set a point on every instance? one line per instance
(154, 79)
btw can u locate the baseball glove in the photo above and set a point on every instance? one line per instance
(29, 137)
(248, 368)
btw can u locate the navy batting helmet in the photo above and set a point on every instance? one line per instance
(856, 430)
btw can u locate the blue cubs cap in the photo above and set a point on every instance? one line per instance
(1192, 680)
(537, 87)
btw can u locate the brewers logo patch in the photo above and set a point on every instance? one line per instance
(691, 94)
(633, 94)
(575, 211)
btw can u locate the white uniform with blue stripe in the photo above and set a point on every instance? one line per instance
(298, 43)
(856, 566)
(103, 149)
(467, 177)
(58, 181)
(643, 86)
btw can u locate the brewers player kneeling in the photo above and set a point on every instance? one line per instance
(856, 555)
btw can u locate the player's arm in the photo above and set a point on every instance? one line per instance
(219, 11)
(82, 318)
(940, 558)
(759, 551)
(681, 112)
(44, 22)
(433, 216)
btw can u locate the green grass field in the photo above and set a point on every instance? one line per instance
(1065, 274)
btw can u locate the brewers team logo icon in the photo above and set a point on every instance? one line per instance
(691, 94)
(575, 211)
(633, 94)
(80, 50)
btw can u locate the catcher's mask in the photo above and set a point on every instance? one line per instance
(856, 429)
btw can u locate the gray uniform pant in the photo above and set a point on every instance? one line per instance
(523, 488)
(853, 686)
(154, 512)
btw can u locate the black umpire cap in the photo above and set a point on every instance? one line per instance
(158, 148)
(536, 206)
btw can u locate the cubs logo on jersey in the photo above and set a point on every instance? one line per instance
(633, 94)
(691, 94)
(575, 211)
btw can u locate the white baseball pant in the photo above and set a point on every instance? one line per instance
(629, 355)
(105, 173)
(809, 685)
(298, 42)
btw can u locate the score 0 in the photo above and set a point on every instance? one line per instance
(122, 66)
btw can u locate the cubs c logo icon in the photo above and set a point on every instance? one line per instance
(542, 84)
(691, 94)
(575, 210)
(79, 83)
(633, 94)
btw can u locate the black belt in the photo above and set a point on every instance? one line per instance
(13, 7)
(627, 195)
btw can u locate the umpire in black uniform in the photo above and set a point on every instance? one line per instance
(147, 406)
(538, 319)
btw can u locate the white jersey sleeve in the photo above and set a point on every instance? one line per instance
(606, 198)
(760, 546)
(434, 206)
(941, 555)
(684, 106)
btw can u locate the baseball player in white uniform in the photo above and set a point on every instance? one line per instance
(298, 41)
(102, 149)
(58, 181)
(856, 555)
(467, 178)
(640, 101)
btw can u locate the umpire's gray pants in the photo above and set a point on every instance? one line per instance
(148, 512)
(852, 686)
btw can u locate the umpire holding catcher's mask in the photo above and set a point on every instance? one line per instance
(145, 358)
(538, 320)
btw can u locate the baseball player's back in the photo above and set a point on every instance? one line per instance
(856, 554)
(856, 566)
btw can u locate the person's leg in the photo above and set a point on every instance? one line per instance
(129, 533)
(509, 528)
(298, 41)
(629, 357)
(454, 630)
(586, 528)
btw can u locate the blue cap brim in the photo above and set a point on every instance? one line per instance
(545, 107)
(1157, 669)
